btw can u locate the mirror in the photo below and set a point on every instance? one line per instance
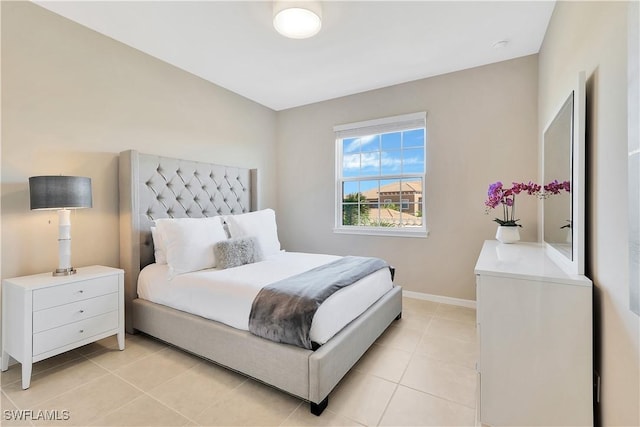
(558, 142)
(563, 161)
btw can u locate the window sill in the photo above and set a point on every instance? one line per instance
(382, 232)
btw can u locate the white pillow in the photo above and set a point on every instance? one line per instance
(261, 224)
(189, 242)
(159, 248)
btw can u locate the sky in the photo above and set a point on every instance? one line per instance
(388, 154)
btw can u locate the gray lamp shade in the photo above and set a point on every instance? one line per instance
(60, 192)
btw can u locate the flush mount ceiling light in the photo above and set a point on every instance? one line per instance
(297, 19)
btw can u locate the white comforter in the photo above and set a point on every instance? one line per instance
(226, 295)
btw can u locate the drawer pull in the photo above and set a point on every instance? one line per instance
(81, 311)
(81, 291)
(82, 331)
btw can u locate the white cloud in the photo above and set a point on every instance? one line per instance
(390, 163)
(364, 161)
(357, 143)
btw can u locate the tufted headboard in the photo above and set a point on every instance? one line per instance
(153, 187)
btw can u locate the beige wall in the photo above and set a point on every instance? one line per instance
(591, 36)
(481, 128)
(72, 99)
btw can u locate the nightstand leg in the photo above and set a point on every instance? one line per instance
(26, 375)
(121, 340)
(5, 361)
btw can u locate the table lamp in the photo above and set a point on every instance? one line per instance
(61, 193)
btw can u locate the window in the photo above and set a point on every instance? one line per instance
(380, 173)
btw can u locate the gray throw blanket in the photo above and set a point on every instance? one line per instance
(283, 311)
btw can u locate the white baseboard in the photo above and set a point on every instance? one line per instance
(438, 298)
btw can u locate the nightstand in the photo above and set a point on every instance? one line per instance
(43, 315)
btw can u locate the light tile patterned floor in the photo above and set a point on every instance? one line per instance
(420, 372)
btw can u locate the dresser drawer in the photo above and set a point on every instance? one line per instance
(76, 291)
(68, 334)
(63, 314)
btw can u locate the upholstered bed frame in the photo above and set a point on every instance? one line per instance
(153, 187)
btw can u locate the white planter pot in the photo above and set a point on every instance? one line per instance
(507, 234)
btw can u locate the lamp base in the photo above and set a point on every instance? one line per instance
(65, 271)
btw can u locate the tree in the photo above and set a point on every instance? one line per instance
(355, 209)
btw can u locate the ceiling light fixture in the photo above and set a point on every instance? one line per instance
(297, 19)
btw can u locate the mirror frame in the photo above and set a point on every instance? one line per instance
(576, 264)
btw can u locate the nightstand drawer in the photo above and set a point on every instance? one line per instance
(63, 314)
(76, 291)
(68, 334)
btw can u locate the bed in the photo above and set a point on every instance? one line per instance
(155, 187)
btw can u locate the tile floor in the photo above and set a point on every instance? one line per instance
(420, 372)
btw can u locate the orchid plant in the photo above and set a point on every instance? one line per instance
(555, 187)
(499, 195)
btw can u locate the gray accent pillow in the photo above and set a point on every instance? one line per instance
(237, 251)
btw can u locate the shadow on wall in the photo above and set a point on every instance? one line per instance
(591, 168)
(15, 198)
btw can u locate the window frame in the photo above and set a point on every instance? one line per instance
(381, 126)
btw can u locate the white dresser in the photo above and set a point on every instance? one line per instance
(535, 335)
(44, 315)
